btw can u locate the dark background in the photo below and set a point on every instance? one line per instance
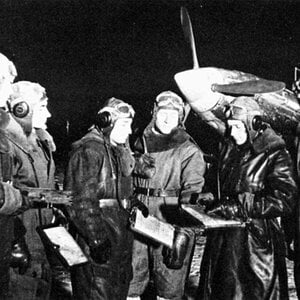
(84, 52)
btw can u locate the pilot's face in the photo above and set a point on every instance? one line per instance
(40, 115)
(238, 131)
(121, 131)
(166, 120)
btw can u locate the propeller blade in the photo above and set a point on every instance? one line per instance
(188, 33)
(251, 87)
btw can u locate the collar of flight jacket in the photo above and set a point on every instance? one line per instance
(267, 141)
(162, 142)
(15, 133)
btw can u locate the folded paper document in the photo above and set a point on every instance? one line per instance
(209, 221)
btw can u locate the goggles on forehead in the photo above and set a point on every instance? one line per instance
(170, 101)
(124, 108)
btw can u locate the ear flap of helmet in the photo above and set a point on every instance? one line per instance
(103, 119)
(257, 123)
(21, 109)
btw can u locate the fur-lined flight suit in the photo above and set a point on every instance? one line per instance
(179, 174)
(100, 175)
(27, 162)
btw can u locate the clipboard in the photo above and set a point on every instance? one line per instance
(152, 228)
(61, 242)
(208, 221)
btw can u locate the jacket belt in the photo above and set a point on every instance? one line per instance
(156, 192)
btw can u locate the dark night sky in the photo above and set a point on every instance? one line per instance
(84, 52)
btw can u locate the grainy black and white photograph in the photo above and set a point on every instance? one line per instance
(149, 150)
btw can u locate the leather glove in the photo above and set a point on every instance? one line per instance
(100, 252)
(134, 202)
(144, 165)
(227, 211)
(59, 217)
(205, 199)
(174, 258)
(20, 255)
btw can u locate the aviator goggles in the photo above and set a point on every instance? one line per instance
(167, 101)
(125, 109)
(121, 110)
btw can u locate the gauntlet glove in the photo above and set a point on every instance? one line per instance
(174, 258)
(228, 211)
(59, 218)
(205, 199)
(242, 206)
(20, 256)
(134, 202)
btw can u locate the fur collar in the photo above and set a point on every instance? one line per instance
(268, 141)
(44, 135)
(121, 151)
(156, 142)
(15, 132)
